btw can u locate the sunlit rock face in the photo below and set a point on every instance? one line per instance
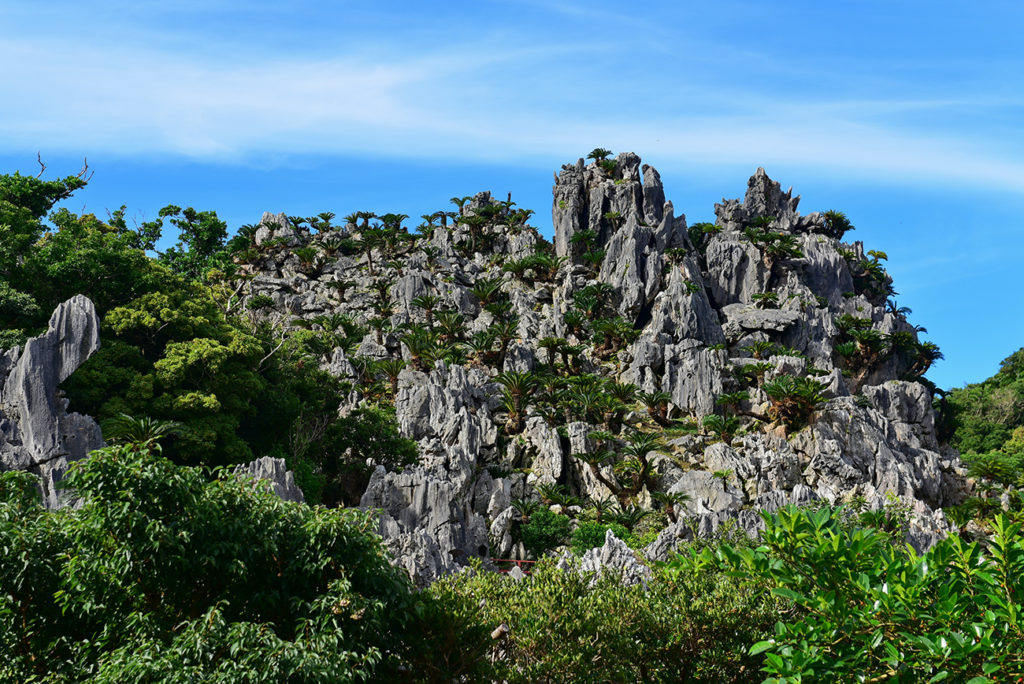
(703, 312)
(37, 434)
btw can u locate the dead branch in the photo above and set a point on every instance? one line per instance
(85, 169)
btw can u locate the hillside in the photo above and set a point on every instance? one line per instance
(702, 372)
(637, 388)
(985, 422)
(662, 376)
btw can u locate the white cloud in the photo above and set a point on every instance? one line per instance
(462, 100)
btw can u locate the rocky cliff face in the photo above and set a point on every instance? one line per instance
(762, 353)
(37, 434)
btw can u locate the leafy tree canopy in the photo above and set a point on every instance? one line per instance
(164, 575)
(983, 416)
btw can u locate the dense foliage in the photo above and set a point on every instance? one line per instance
(564, 627)
(870, 609)
(544, 531)
(164, 575)
(985, 421)
(984, 416)
(177, 345)
(183, 574)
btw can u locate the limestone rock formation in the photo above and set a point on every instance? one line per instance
(434, 515)
(763, 350)
(275, 474)
(37, 434)
(616, 558)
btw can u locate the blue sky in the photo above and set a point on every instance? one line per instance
(905, 115)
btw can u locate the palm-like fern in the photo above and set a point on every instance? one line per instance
(140, 431)
(724, 427)
(794, 399)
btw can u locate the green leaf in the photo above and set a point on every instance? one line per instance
(787, 593)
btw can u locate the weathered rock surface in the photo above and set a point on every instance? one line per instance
(433, 515)
(616, 558)
(763, 295)
(37, 434)
(275, 474)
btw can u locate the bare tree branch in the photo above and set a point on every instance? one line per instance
(85, 170)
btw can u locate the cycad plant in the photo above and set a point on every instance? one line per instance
(724, 427)
(766, 300)
(623, 394)
(482, 344)
(629, 516)
(379, 325)
(760, 350)
(340, 286)
(486, 290)
(731, 401)
(308, 260)
(794, 399)
(549, 492)
(518, 386)
(835, 224)
(370, 239)
(451, 325)
(525, 508)
(601, 507)
(575, 322)
(657, 406)
(551, 345)
(671, 501)
(420, 342)
(506, 331)
(638, 447)
(140, 432)
(391, 369)
(428, 303)
(596, 461)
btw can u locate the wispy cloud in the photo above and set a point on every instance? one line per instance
(477, 98)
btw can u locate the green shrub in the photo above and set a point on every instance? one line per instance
(544, 531)
(259, 301)
(871, 610)
(679, 628)
(981, 417)
(590, 534)
(162, 575)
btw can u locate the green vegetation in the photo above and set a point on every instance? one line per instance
(543, 532)
(794, 399)
(562, 628)
(983, 417)
(178, 344)
(590, 534)
(869, 609)
(164, 574)
(985, 421)
(172, 569)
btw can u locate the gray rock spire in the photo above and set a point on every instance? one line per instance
(37, 433)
